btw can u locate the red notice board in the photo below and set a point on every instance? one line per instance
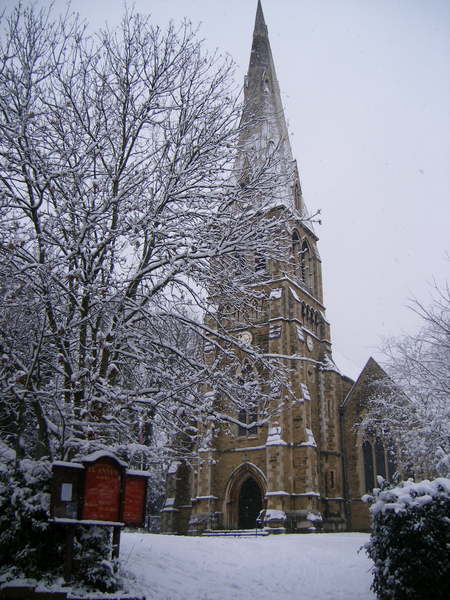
(135, 497)
(102, 491)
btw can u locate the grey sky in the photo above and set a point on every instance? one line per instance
(366, 91)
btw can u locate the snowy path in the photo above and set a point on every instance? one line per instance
(310, 567)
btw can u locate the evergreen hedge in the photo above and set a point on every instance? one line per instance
(410, 541)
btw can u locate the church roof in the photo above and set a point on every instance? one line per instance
(370, 369)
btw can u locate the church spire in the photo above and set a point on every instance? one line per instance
(263, 117)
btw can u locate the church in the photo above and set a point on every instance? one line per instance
(306, 469)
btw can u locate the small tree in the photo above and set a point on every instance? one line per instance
(411, 407)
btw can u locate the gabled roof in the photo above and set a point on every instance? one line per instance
(369, 370)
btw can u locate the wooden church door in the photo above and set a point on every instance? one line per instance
(250, 504)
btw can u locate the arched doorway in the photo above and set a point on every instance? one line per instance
(244, 496)
(250, 504)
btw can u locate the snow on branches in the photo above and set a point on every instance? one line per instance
(411, 406)
(121, 214)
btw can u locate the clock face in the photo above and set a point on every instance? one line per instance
(310, 343)
(245, 337)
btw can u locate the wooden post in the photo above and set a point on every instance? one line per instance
(116, 543)
(68, 553)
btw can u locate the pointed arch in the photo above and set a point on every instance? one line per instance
(369, 473)
(297, 196)
(245, 175)
(240, 475)
(296, 252)
(247, 414)
(380, 458)
(260, 261)
(304, 261)
(307, 270)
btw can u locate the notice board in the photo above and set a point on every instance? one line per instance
(102, 491)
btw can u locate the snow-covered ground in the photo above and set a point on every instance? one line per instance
(314, 567)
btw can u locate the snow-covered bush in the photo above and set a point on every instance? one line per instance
(410, 541)
(94, 568)
(28, 544)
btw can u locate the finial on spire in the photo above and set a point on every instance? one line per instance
(260, 23)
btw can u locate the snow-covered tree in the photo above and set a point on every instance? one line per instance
(411, 408)
(121, 217)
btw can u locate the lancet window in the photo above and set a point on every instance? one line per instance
(307, 266)
(296, 253)
(297, 196)
(303, 261)
(260, 261)
(248, 414)
(378, 460)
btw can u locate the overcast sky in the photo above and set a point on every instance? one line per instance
(366, 91)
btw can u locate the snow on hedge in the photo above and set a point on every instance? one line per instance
(407, 495)
(410, 540)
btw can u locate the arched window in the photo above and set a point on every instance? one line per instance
(330, 482)
(296, 252)
(304, 263)
(391, 463)
(369, 480)
(250, 414)
(380, 458)
(242, 417)
(297, 196)
(307, 274)
(240, 265)
(260, 261)
(245, 175)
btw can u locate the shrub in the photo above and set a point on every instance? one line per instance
(94, 569)
(29, 545)
(410, 541)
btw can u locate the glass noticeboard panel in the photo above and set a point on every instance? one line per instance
(66, 492)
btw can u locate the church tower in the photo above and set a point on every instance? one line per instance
(292, 467)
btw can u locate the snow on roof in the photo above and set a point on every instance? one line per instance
(310, 439)
(100, 454)
(137, 473)
(274, 437)
(67, 464)
(294, 294)
(276, 293)
(329, 364)
(300, 334)
(68, 521)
